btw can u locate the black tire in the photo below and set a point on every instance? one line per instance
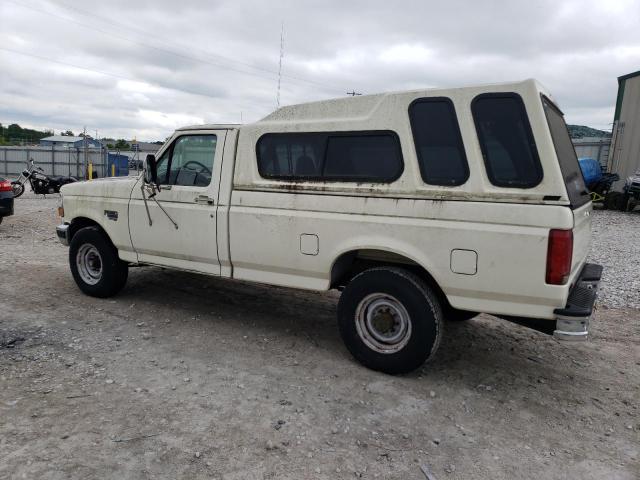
(614, 201)
(454, 315)
(113, 271)
(425, 322)
(18, 189)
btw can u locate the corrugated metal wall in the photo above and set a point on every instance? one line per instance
(593, 149)
(54, 161)
(625, 159)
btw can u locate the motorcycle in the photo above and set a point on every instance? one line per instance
(41, 183)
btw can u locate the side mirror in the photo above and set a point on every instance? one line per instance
(152, 169)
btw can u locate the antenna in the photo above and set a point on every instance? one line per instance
(280, 64)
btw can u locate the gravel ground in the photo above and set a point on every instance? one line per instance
(187, 376)
(616, 246)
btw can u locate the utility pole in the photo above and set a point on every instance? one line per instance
(354, 93)
(84, 144)
(280, 64)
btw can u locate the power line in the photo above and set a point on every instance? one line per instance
(169, 51)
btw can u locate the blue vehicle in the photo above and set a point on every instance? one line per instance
(599, 183)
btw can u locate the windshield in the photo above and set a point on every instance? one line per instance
(573, 179)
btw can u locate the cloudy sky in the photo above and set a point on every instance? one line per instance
(144, 67)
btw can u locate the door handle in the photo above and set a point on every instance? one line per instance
(204, 200)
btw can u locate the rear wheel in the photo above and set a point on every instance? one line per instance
(454, 315)
(95, 265)
(614, 201)
(390, 320)
(17, 188)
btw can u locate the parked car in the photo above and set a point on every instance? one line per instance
(6, 198)
(135, 164)
(628, 199)
(419, 206)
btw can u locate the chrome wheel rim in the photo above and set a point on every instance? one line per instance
(383, 323)
(89, 263)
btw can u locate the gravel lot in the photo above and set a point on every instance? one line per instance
(616, 246)
(186, 376)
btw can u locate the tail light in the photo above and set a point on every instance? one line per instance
(5, 186)
(559, 255)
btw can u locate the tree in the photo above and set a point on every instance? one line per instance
(122, 144)
(68, 133)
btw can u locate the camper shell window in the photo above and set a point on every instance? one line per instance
(507, 144)
(438, 142)
(368, 156)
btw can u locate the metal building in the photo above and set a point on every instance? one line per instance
(69, 142)
(625, 143)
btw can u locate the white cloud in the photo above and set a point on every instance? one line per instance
(170, 64)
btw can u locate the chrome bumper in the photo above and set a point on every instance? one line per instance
(572, 322)
(63, 234)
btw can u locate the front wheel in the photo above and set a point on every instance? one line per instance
(17, 188)
(95, 265)
(390, 320)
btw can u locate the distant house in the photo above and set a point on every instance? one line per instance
(65, 141)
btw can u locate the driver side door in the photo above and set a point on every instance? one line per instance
(189, 175)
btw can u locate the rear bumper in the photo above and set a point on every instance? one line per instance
(572, 321)
(63, 233)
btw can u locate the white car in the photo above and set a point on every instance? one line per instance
(419, 206)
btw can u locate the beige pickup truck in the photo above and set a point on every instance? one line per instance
(420, 207)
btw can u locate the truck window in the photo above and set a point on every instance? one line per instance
(507, 144)
(330, 156)
(189, 161)
(359, 158)
(573, 179)
(438, 141)
(291, 155)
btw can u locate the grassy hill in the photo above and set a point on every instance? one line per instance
(580, 131)
(15, 134)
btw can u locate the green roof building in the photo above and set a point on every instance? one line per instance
(625, 143)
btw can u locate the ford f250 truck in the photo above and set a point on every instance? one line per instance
(419, 206)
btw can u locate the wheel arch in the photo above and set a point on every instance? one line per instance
(81, 222)
(352, 261)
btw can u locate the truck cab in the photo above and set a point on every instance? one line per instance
(421, 207)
